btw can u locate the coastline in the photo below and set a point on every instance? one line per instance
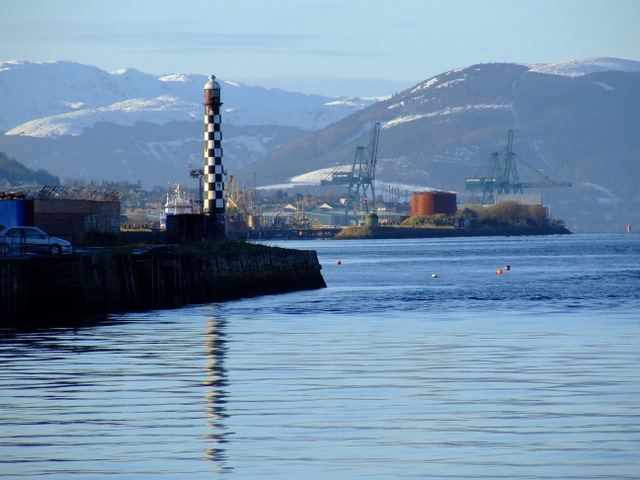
(364, 232)
(50, 291)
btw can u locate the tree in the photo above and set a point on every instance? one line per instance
(469, 214)
(537, 214)
(508, 212)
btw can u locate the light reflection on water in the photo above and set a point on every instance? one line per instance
(387, 373)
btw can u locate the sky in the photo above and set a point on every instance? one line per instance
(330, 47)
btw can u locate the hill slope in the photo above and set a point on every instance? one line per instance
(13, 173)
(574, 121)
(575, 127)
(79, 121)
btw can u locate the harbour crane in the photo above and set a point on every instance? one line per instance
(502, 175)
(199, 174)
(360, 178)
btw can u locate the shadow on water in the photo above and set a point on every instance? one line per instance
(10, 329)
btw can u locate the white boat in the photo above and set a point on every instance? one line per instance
(176, 204)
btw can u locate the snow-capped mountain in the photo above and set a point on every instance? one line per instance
(78, 121)
(64, 98)
(575, 121)
(583, 66)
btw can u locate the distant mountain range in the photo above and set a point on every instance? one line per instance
(574, 121)
(78, 121)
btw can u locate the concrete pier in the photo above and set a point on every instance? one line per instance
(45, 291)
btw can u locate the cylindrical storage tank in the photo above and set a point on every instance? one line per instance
(446, 202)
(422, 204)
(425, 204)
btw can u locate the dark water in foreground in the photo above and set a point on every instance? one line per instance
(387, 373)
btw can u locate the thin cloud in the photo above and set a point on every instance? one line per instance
(179, 40)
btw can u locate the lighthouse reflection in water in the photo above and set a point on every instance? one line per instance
(217, 382)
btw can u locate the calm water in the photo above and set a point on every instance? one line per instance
(387, 373)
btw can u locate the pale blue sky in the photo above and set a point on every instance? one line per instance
(339, 47)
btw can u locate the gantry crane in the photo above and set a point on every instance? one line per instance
(502, 175)
(360, 179)
(199, 174)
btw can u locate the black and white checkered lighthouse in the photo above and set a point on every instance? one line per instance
(214, 201)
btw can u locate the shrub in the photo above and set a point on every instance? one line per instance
(438, 220)
(509, 212)
(514, 213)
(537, 214)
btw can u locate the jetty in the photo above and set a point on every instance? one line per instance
(50, 291)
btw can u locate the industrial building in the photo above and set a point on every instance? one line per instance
(67, 212)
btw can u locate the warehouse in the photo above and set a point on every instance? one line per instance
(67, 212)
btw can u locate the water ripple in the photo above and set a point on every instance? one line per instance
(387, 373)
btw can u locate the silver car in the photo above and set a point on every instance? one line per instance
(20, 240)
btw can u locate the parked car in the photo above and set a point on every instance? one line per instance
(21, 240)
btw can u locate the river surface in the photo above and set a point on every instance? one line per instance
(418, 361)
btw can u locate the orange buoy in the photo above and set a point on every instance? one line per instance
(499, 271)
(339, 262)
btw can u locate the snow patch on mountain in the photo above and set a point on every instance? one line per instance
(313, 178)
(605, 86)
(446, 111)
(609, 197)
(400, 120)
(158, 110)
(450, 83)
(425, 85)
(254, 146)
(158, 149)
(583, 66)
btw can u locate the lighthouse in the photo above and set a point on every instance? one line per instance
(214, 201)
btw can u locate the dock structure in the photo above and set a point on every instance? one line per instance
(286, 233)
(50, 291)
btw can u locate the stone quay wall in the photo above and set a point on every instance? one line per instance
(45, 291)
